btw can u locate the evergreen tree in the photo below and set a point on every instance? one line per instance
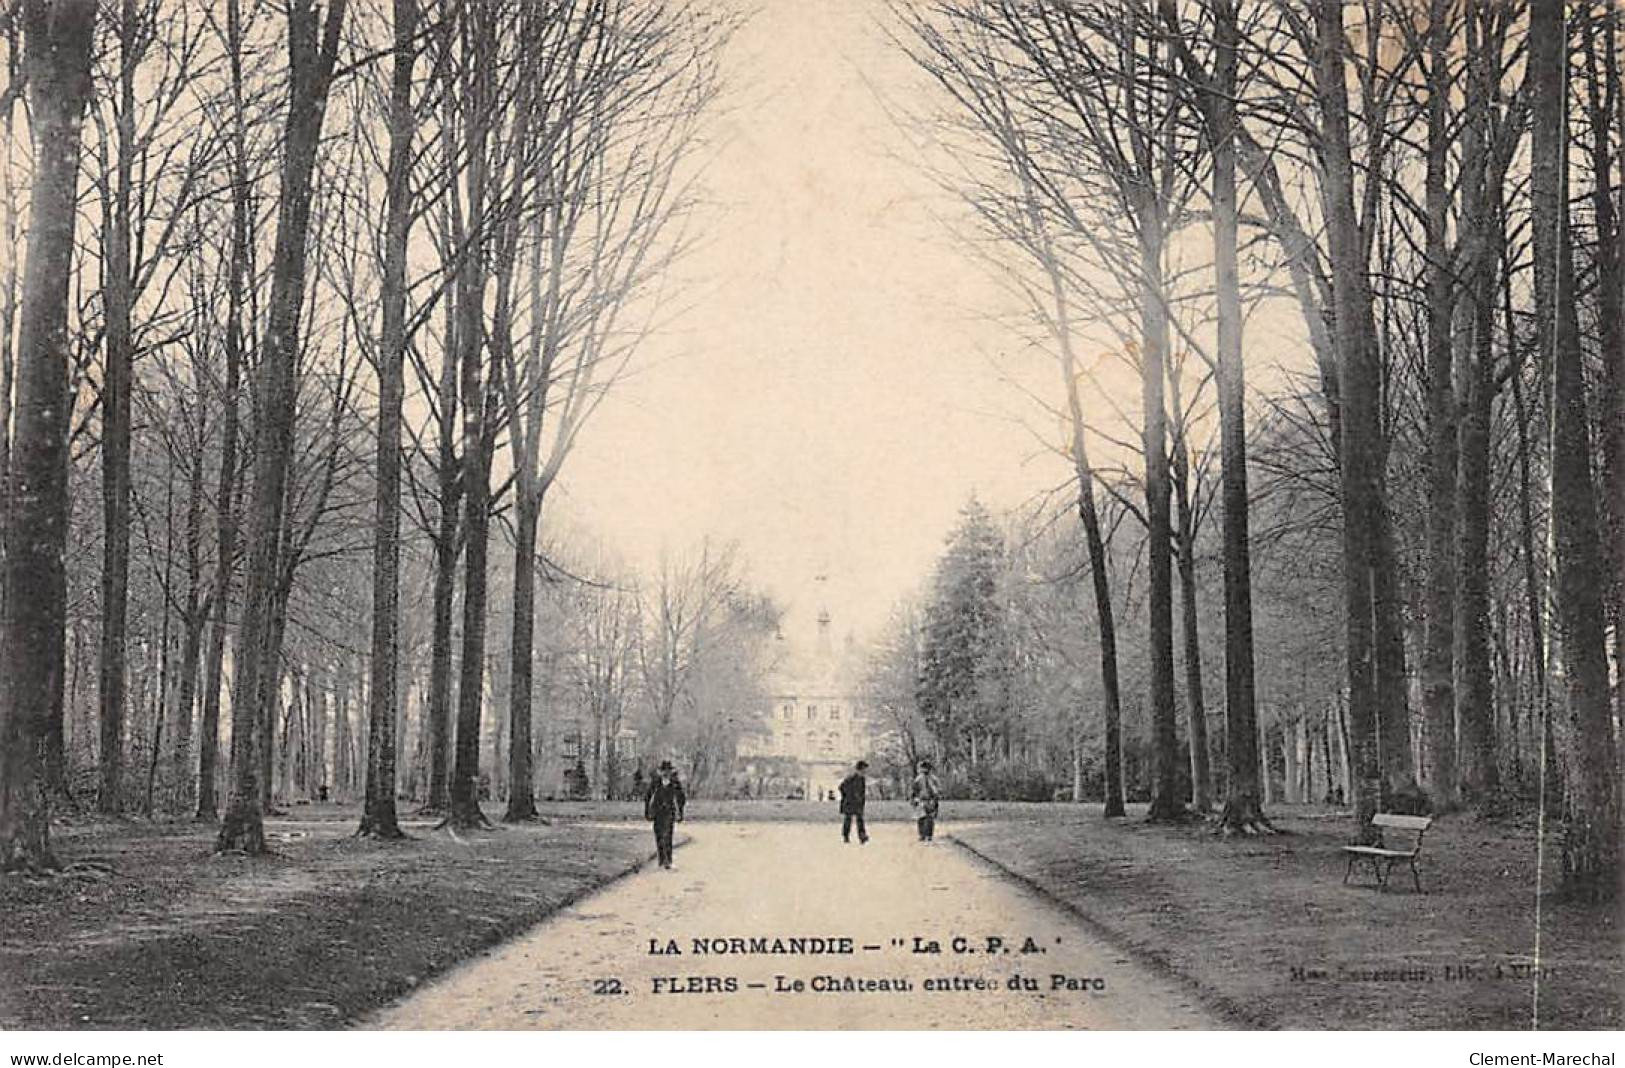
(963, 691)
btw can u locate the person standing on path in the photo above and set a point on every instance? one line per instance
(664, 805)
(854, 789)
(924, 796)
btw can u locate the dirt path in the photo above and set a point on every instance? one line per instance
(778, 881)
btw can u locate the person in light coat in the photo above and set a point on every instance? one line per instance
(924, 796)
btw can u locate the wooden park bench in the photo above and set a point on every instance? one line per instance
(1383, 856)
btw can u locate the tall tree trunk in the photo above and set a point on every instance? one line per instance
(1532, 565)
(521, 779)
(1582, 727)
(208, 754)
(1613, 396)
(1605, 87)
(1216, 98)
(265, 725)
(446, 548)
(54, 744)
(160, 701)
(1397, 753)
(10, 97)
(312, 49)
(497, 777)
(1185, 545)
(525, 409)
(1089, 515)
(1481, 216)
(1475, 694)
(1438, 678)
(438, 712)
(340, 675)
(58, 38)
(1243, 801)
(226, 489)
(477, 28)
(56, 741)
(321, 770)
(192, 619)
(379, 816)
(1166, 804)
(465, 801)
(1482, 227)
(116, 386)
(1359, 391)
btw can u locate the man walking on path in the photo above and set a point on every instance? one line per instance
(854, 789)
(664, 805)
(923, 796)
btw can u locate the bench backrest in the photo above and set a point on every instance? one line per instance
(1390, 821)
(1401, 823)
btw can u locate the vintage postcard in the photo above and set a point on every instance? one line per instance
(840, 515)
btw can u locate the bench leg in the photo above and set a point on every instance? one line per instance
(1417, 876)
(1376, 869)
(1349, 869)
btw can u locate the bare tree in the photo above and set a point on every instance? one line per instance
(227, 485)
(481, 116)
(149, 135)
(11, 96)
(1582, 725)
(890, 680)
(133, 38)
(57, 42)
(605, 230)
(1215, 92)
(602, 664)
(378, 818)
(1088, 88)
(1494, 119)
(687, 594)
(313, 43)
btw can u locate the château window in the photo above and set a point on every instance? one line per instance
(812, 713)
(834, 712)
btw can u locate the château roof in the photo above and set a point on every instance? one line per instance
(811, 664)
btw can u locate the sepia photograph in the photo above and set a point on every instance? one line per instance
(811, 515)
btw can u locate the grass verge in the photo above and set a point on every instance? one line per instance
(1265, 927)
(149, 930)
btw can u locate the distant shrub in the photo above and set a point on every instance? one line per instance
(1002, 781)
(957, 786)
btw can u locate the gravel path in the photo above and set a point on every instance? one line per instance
(592, 966)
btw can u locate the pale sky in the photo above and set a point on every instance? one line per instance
(827, 401)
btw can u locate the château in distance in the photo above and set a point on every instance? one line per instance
(813, 726)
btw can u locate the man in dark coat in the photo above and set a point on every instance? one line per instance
(854, 790)
(664, 805)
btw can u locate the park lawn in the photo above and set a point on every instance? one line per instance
(149, 930)
(1236, 917)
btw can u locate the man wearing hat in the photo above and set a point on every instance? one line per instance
(923, 796)
(854, 789)
(664, 805)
